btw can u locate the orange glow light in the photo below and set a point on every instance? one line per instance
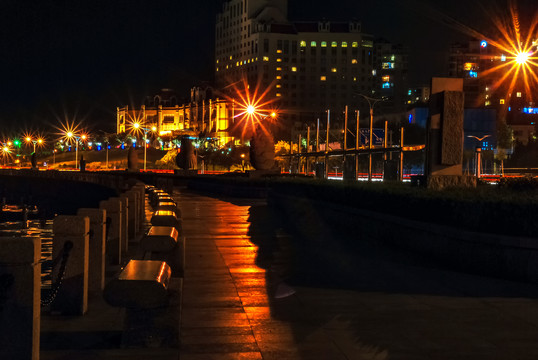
(252, 108)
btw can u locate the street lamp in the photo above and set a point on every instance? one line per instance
(371, 103)
(138, 126)
(478, 167)
(71, 135)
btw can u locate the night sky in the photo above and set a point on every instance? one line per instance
(81, 59)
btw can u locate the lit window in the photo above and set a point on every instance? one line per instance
(387, 65)
(293, 68)
(518, 94)
(237, 63)
(386, 78)
(278, 86)
(313, 44)
(279, 51)
(344, 44)
(354, 79)
(226, 66)
(487, 96)
(355, 44)
(230, 57)
(354, 61)
(334, 44)
(392, 58)
(503, 57)
(324, 44)
(409, 92)
(278, 94)
(217, 61)
(333, 70)
(279, 69)
(323, 78)
(278, 77)
(386, 85)
(266, 58)
(217, 69)
(488, 103)
(501, 101)
(303, 43)
(374, 72)
(278, 60)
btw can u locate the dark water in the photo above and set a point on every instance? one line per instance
(34, 228)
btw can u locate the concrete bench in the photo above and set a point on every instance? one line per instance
(166, 218)
(168, 205)
(154, 193)
(142, 284)
(160, 238)
(160, 198)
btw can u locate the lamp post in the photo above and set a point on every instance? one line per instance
(138, 126)
(71, 135)
(371, 103)
(478, 149)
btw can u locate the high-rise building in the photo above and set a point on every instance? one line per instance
(488, 83)
(390, 75)
(310, 66)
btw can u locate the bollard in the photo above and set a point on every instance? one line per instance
(140, 188)
(20, 296)
(96, 280)
(124, 223)
(133, 212)
(72, 297)
(113, 207)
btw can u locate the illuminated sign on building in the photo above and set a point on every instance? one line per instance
(483, 44)
(469, 66)
(473, 74)
(530, 110)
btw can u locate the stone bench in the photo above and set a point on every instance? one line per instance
(164, 243)
(142, 284)
(160, 198)
(168, 206)
(166, 218)
(160, 238)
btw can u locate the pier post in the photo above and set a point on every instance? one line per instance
(113, 207)
(72, 297)
(96, 281)
(20, 297)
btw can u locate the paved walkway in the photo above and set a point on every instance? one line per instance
(250, 293)
(387, 307)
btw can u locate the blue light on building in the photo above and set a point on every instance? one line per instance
(483, 44)
(410, 118)
(473, 74)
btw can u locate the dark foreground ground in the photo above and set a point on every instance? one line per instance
(251, 293)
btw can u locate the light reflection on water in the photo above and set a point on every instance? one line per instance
(34, 228)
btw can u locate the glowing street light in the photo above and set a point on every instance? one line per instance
(138, 127)
(69, 135)
(522, 58)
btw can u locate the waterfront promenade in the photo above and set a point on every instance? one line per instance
(250, 293)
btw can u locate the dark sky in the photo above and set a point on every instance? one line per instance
(84, 58)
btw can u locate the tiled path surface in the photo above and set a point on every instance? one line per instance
(370, 304)
(392, 308)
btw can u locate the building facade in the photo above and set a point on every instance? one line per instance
(485, 87)
(162, 115)
(308, 66)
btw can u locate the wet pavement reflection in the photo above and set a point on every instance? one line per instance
(250, 292)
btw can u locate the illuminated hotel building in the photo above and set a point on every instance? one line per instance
(163, 113)
(313, 66)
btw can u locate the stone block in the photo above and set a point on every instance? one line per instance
(97, 247)
(20, 273)
(124, 223)
(452, 128)
(114, 211)
(72, 298)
